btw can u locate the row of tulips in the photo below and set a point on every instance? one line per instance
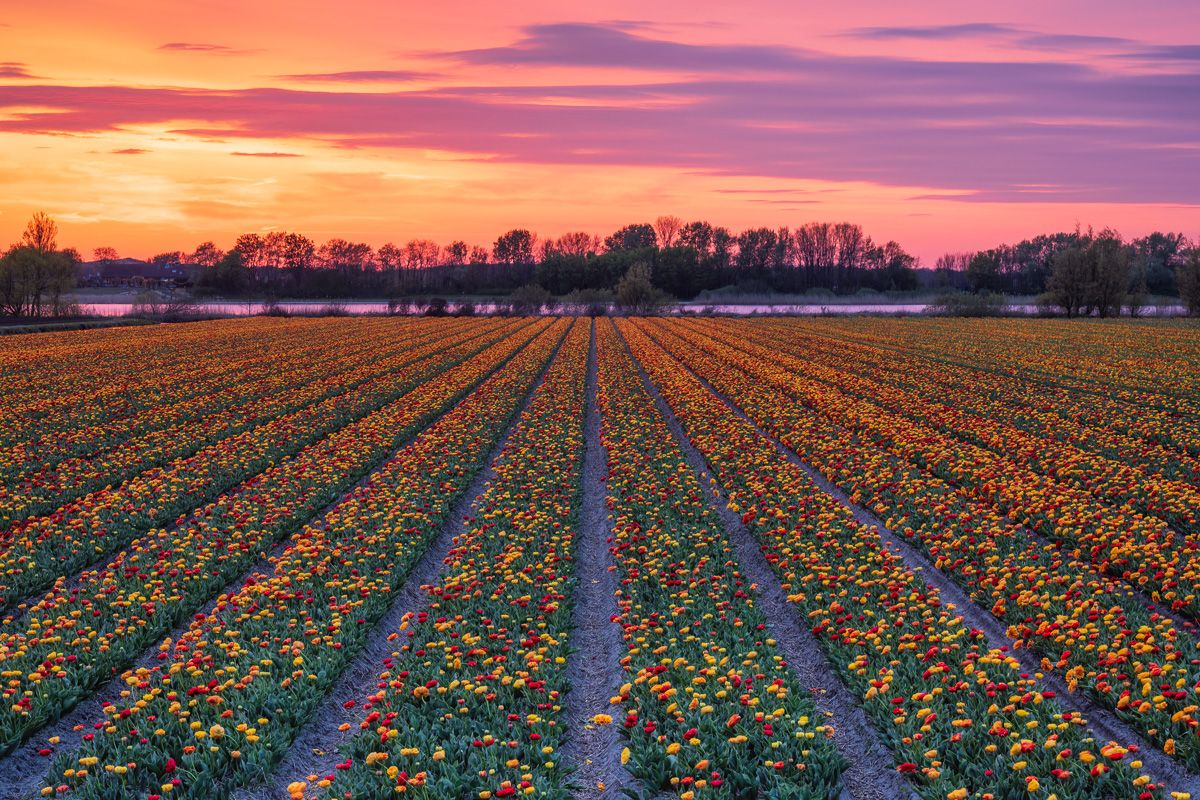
(1138, 549)
(1153, 362)
(77, 535)
(71, 393)
(230, 693)
(78, 637)
(946, 410)
(295, 380)
(961, 719)
(710, 706)
(79, 431)
(471, 704)
(1090, 362)
(1108, 644)
(1040, 411)
(229, 376)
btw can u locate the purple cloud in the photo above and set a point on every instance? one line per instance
(364, 76)
(1071, 41)
(583, 45)
(1170, 52)
(1016, 131)
(970, 29)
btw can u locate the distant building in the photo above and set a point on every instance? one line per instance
(133, 273)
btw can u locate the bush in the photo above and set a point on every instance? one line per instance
(466, 309)
(172, 307)
(272, 308)
(435, 307)
(1188, 276)
(639, 295)
(588, 302)
(964, 304)
(529, 299)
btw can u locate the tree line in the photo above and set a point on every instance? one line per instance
(1080, 272)
(1083, 272)
(683, 259)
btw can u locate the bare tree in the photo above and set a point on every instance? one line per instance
(349, 258)
(421, 254)
(578, 243)
(206, 254)
(668, 228)
(456, 252)
(391, 259)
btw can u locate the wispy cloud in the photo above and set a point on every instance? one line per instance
(198, 47)
(584, 45)
(268, 155)
(360, 76)
(14, 69)
(1072, 41)
(970, 29)
(129, 151)
(1170, 52)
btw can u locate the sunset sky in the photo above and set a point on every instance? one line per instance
(945, 126)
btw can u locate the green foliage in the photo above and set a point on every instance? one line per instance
(1092, 275)
(1188, 276)
(965, 304)
(529, 299)
(638, 294)
(632, 237)
(35, 275)
(515, 247)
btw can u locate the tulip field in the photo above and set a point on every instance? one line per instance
(848, 558)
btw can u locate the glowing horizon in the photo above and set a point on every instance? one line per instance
(155, 128)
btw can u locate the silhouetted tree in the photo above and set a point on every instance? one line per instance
(170, 257)
(34, 273)
(206, 254)
(456, 252)
(636, 291)
(667, 228)
(1187, 274)
(632, 237)
(1068, 284)
(515, 247)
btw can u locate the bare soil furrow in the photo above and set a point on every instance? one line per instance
(594, 669)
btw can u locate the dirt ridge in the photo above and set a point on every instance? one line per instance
(594, 751)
